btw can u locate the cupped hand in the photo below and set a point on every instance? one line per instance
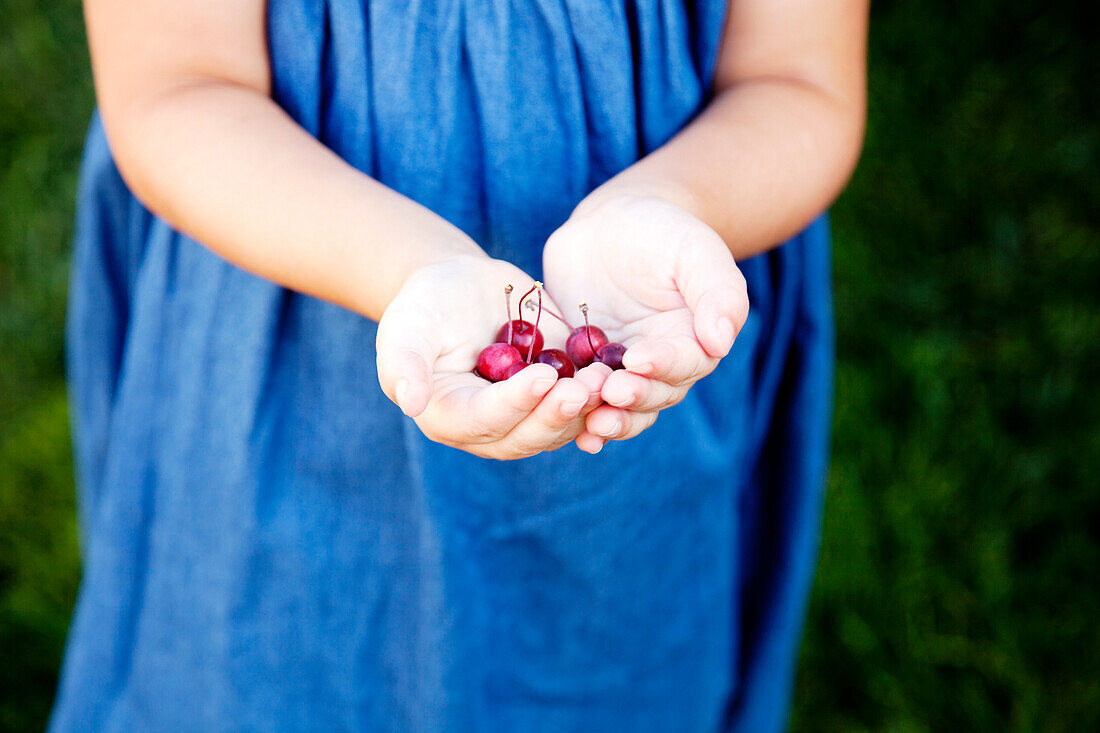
(659, 281)
(428, 341)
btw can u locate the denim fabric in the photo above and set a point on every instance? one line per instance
(271, 545)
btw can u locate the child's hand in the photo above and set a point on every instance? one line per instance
(428, 341)
(663, 284)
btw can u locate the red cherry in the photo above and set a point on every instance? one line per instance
(591, 337)
(515, 369)
(611, 354)
(559, 360)
(495, 360)
(524, 334)
(583, 343)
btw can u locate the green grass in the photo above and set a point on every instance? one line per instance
(45, 100)
(958, 588)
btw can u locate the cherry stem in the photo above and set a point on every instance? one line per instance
(531, 307)
(524, 297)
(538, 315)
(519, 312)
(508, 307)
(587, 328)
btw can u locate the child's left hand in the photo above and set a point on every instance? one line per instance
(428, 342)
(659, 281)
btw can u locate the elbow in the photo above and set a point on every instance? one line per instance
(842, 128)
(123, 139)
(137, 141)
(159, 140)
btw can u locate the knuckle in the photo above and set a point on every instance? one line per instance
(518, 448)
(482, 428)
(494, 452)
(477, 432)
(683, 381)
(543, 436)
(642, 423)
(699, 370)
(673, 398)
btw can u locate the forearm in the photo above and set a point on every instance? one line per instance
(757, 165)
(782, 135)
(225, 165)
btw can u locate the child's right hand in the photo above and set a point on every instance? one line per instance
(663, 284)
(428, 341)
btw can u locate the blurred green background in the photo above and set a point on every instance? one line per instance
(959, 585)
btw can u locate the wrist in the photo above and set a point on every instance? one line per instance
(376, 284)
(623, 188)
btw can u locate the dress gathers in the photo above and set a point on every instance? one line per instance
(271, 545)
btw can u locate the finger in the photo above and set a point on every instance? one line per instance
(553, 423)
(628, 390)
(593, 377)
(715, 291)
(617, 424)
(405, 358)
(466, 409)
(678, 361)
(496, 409)
(590, 443)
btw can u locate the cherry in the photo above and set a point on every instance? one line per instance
(607, 353)
(495, 360)
(505, 358)
(583, 342)
(611, 354)
(515, 369)
(586, 341)
(559, 360)
(525, 336)
(522, 334)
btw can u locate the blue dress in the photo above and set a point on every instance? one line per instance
(271, 545)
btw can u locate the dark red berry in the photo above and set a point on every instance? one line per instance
(495, 359)
(583, 343)
(523, 335)
(611, 354)
(559, 360)
(515, 369)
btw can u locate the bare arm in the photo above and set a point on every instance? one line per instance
(184, 93)
(183, 89)
(783, 133)
(657, 242)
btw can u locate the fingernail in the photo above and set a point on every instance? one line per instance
(626, 401)
(725, 332)
(644, 368)
(614, 430)
(541, 386)
(600, 447)
(571, 409)
(400, 391)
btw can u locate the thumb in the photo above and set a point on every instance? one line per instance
(714, 289)
(405, 360)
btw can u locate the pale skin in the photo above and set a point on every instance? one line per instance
(184, 91)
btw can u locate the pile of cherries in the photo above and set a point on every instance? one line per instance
(519, 344)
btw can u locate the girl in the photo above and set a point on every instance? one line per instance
(270, 544)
